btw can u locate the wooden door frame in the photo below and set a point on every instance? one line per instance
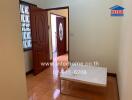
(60, 8)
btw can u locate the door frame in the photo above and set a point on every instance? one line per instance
(59, 8)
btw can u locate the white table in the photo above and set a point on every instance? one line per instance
(88, 75)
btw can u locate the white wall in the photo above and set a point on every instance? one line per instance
(94, 34)
(125, 55)
(12, 72)
(28, 60)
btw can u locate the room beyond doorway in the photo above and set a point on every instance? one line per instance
(59, 33)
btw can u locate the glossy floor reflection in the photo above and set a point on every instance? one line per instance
(45, 86)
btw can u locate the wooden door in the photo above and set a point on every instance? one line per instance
(40, 39)
(61, 35)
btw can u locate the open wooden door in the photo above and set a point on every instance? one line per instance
(61, 35)
(40, 39)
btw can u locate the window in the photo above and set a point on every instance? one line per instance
(25, 26)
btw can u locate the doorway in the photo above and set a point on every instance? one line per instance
(59, 25)
(43, 45)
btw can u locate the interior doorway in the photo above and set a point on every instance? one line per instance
(59, 23)
(40, 42)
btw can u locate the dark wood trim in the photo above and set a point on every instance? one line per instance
(56, 15)
(26, 3)
(115, 75)
(27, 49)
(59, 8)
(117, 88)
(68, 35)
(29, 72)
(51, 60)
(112, 74)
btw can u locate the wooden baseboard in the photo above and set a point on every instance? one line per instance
(51, 60)
(29, 72)
(111, 74)
(115, 75)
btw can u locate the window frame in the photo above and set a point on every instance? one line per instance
(28, 4)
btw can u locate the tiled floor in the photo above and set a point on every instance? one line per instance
(45, 86)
